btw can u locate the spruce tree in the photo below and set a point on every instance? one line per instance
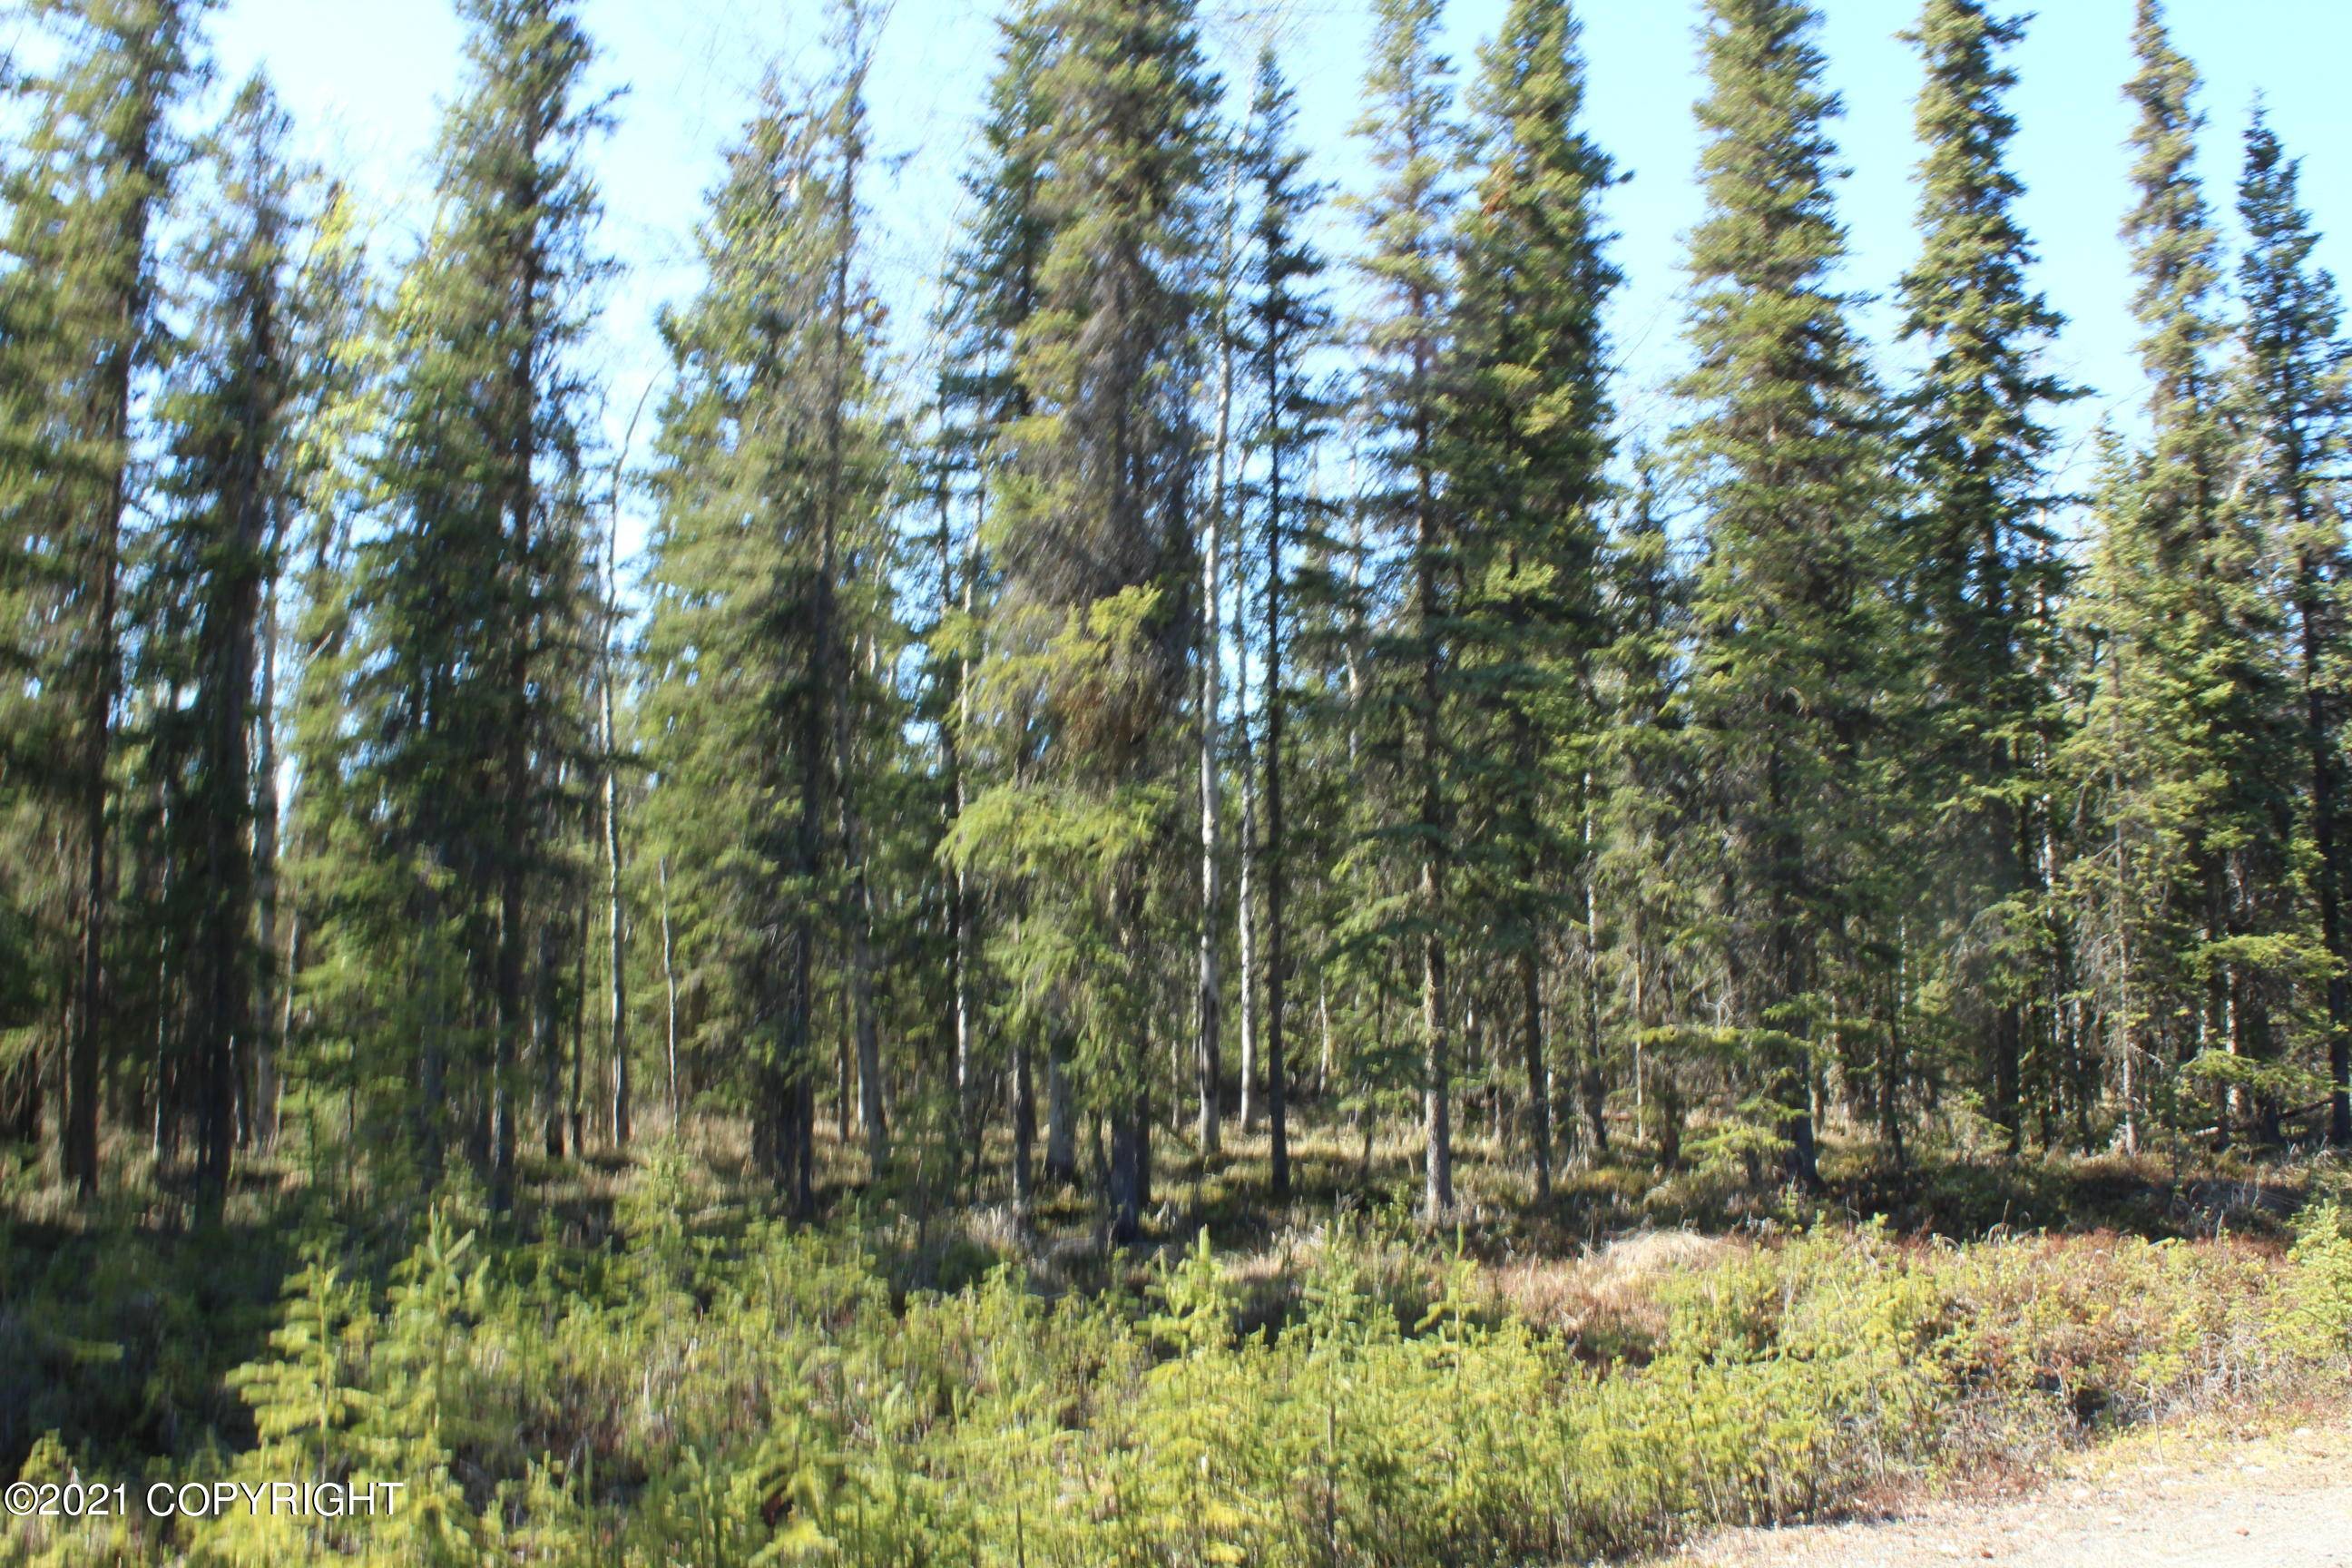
(771, 477)
(77, 318)
(2124, 923)
(2185, 746)
(991, 292)
(1525, 446)
(1787, 454)
(1650, 865)
(328, 861)
(1979, 559)
(1093, 632)
(474, 583)
(608, 746)
(2290, 399)
(857, 457)
(227, 489)
(1286, 319)
(1409, 223)
(1219, 353)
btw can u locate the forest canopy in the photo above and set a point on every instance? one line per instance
(1229, 675)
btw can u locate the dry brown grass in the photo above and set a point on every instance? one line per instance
(1608, 1294)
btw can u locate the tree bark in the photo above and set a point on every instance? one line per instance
(615, 917)
(269, 1039)
(1277, 967)
(2327, 838)
(1061, 1117)
(669, 983)
(1538, 1081)
(546, 1043)
(1209, 995)
(1437, 1110)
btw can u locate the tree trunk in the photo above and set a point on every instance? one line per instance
(959, 947)
(1437, 1106)
(546, 1043)
(1784, 968)
(1024, 1127)
(1245, 885)
(841, 1082)
(1538, 1081)
(575, 1102)
(871, 1116)
(268, 1044)
(2326, 833)
(1061, 1117)
(1277, 958)
(1437, 1194)
(1129, 1192)
(858, 917)
(617, 990)
(669, 984)
(1209, 996)
(1592, 1074)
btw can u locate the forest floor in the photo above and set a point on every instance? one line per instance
(2171, 1498)
(2054, 1361)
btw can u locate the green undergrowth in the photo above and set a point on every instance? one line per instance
(711, 1388)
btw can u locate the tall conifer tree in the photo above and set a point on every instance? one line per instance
(771, 477)
(78, 308)
(992, 291)
(1650, 865)
(1790, 605)
(1286, 319)
(2185, 746)
(476, 583)
(1980, 560)
(2296, 408)
(1409, 220)
(1526, 447)
(323, 959)
(1093, 634)
(227, 489)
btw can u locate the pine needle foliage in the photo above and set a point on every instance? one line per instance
(1090, 637)
(472, 588)
(1791, 602)
(1526, 447)
(1983, 566)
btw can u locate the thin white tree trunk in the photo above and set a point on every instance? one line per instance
(872, 1119)
(615, 917)
(1323, 1009)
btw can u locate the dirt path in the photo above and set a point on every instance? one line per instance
(2165, 1502)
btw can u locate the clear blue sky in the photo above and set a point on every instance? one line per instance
(365, 83)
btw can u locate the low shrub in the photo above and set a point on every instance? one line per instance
(762, 1395)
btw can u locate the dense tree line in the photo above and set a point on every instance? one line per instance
(1176, 697)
